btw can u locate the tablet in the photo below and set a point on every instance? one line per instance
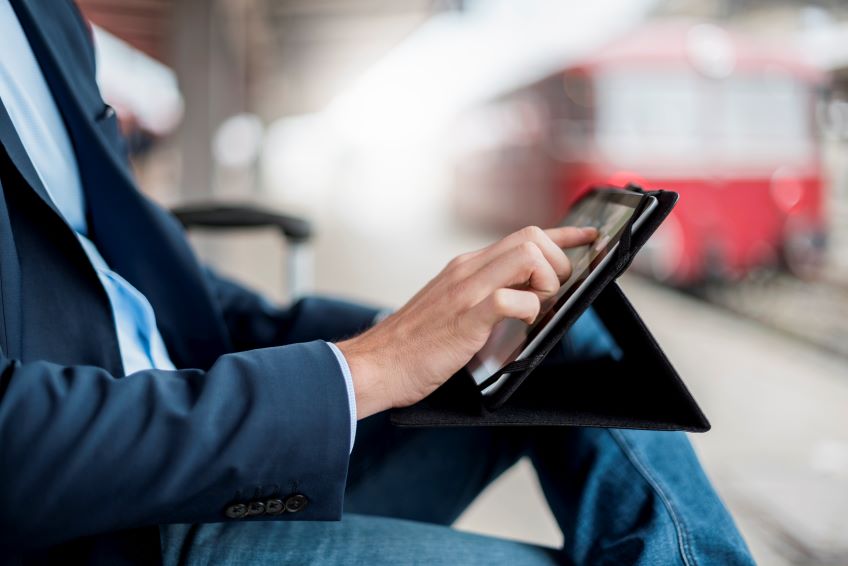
(608, 210)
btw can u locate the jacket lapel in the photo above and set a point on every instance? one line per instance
(138, 240)
(11, 325)
(16, 152)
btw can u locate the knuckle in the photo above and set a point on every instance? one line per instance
(529, 250)
(536, 259)
(454, 263)
(500, 301)
(459, 264)
(528, 260)
(532, 232)
(453, 271)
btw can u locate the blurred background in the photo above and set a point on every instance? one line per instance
(408, 131)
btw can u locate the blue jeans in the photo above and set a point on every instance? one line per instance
(619, 497)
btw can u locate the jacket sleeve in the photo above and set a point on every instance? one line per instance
(253, 322)
(83, 452)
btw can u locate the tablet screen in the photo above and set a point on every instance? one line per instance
(609, 212)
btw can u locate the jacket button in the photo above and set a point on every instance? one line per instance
(236, 511)
(274, 507)
(255, 508)
(296, 502)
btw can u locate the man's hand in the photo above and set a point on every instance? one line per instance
(404, 358)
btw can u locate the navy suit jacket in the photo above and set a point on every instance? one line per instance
(91, 460)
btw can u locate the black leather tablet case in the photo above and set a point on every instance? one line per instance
(640, 390)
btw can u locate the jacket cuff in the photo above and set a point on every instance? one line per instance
(307, 437)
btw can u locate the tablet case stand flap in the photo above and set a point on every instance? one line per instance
(641, 390)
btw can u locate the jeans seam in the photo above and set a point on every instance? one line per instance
(680, 528)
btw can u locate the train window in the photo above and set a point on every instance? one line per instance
(764, 115)
(648, 113)
(749, 119)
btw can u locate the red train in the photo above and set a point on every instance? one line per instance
(727, 122)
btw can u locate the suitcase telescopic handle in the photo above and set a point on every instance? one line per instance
(215, 215)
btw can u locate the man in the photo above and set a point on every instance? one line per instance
(151, 411)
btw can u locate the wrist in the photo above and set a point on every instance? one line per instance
(368, 373)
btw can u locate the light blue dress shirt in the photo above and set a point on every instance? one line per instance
(39, 125)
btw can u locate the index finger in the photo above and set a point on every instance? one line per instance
(572, 236)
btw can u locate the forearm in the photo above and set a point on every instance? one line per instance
(99, 453)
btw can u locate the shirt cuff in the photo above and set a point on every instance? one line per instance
(351, 396)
